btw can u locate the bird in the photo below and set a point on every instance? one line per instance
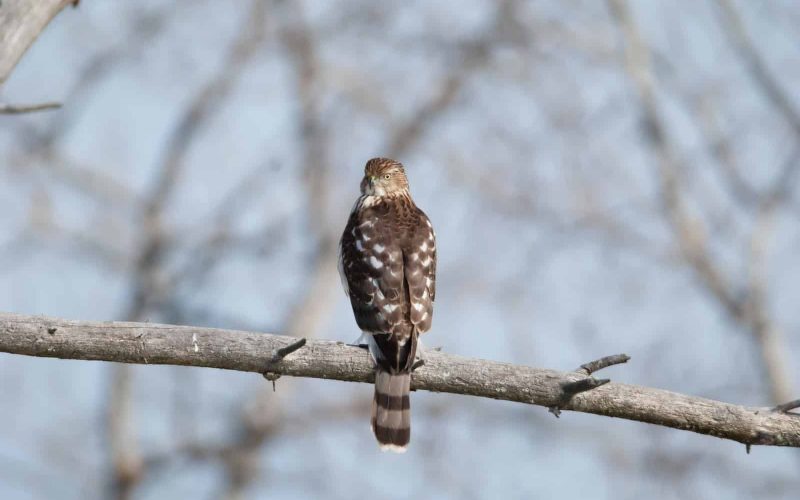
(387, 263)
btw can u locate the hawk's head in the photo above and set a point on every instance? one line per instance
(383, 176)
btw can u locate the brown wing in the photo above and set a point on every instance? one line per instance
(371, 263)
(388, 266)
(419, 261)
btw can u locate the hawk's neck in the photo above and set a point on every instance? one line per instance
(371, 200)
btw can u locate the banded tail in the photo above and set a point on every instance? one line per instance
(391, 405)
(391, 410)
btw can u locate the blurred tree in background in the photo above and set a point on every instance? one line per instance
(603, 177)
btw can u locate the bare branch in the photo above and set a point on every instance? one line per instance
(281, 353)
(472, 56)
(747, 308)
(757, 67)
(18, 109)
(21, 21)
(259, 417)
(599, 364)
(689, 232)
(771, 88)
(247, 351)
(127, 462)
(787, 407)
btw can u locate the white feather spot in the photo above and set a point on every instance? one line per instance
(374, 262)
(418, 306)
(414, 256)
(425, 294)
(390, 307)
(426, 262)
(359, 245)
(428, 282)
(428, 222)
(424, 247)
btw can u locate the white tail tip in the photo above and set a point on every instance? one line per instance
(393, 448)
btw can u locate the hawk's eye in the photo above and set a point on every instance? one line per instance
(387, 176)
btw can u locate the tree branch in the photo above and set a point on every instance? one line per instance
(733, 26)
(690, 232)
(146, 343)
(18, 109)
(21, 21)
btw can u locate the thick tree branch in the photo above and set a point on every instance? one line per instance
(146, 343)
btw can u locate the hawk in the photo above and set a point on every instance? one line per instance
(387, 262)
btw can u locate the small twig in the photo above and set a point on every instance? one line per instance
(787, 407)
(570, 389)
(599, 364)
(277, 357)
(10, 109)
(583, 385)
(279, 354)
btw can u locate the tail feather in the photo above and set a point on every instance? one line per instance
(391, 410)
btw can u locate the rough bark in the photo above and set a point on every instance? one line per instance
(146, 343)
